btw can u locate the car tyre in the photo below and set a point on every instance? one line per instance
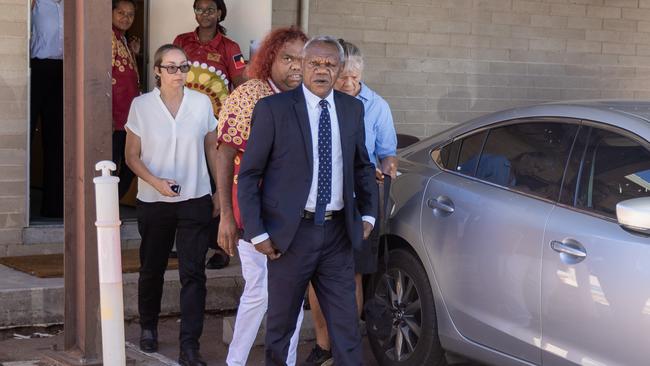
(414, 335)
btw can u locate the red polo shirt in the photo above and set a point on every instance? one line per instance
(214, 65)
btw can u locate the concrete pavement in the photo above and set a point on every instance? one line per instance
(26, 300)
(24, 351)
(26, 346)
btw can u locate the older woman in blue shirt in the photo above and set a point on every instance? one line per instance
(381, 143)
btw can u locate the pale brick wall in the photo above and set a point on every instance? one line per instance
(13, 120)
(441, 62)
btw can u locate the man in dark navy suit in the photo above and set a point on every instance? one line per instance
(307, 195)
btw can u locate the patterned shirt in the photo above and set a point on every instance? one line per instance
(235, 124)
(125, 79)
(214, 65)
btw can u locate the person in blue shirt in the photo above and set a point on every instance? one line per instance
(46, 102)
(381, 143)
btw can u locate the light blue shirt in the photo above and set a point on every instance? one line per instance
(47, 30)
(381, 140)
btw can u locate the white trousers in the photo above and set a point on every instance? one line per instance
(252, 307)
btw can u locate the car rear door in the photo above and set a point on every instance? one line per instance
(483, 223)
(596, 275)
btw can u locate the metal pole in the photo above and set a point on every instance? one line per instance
(110, 264)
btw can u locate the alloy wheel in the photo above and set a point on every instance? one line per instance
(401, 295)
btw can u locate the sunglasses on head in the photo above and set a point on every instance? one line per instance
(172, 69)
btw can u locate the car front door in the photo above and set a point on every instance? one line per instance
(596, 275)
(483, 222)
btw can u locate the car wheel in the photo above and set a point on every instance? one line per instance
(413, 339)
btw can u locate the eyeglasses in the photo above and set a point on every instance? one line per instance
(206, 11)
(172, 69)
(125, 14)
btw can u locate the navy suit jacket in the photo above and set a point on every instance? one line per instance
(276, 171)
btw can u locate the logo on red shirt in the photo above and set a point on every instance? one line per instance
(239, 61)
(214, 57)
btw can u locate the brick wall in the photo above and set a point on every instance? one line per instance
(13, 120)
(441, 62)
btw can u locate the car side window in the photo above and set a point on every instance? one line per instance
(449, 155)
(470, 151)
(461, 155)
(613, 168)
(528, 157)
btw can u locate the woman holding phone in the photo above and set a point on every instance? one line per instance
(170, 132)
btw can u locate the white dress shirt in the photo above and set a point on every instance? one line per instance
(47, 30)
(314, 110)
(336, 202)
(173, 148)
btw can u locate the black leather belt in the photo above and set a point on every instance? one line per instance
(329, 215)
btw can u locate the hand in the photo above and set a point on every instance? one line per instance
(216, 207)
(228, 234)
(268, 249)
(134, 45)
(389, 166)
(379, 176)
(367, 229)
(163, 185)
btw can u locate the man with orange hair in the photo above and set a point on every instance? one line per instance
(275, 68)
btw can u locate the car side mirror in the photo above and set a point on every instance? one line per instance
(634, 215)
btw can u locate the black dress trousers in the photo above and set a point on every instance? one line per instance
(159, 224)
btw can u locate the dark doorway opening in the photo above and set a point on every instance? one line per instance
(37, 159)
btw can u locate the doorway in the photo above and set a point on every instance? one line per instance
(37, 159)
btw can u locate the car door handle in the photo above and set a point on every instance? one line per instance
(573, 249)
(442, 204)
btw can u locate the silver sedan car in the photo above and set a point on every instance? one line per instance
(522, 238)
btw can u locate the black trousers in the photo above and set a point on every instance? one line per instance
(322, 255)
(159, 224)
(123, 171)
(47, 104)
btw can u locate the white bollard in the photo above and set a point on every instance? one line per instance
(109, 256)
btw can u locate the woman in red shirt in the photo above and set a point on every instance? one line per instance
(126, 85)
(217, 62)
(217, 68)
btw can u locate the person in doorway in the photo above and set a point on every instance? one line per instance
(217, 67)
(169, 132)
(275, 68)
(381, 143)
(46, 100)
(126, 84)
(307, 196)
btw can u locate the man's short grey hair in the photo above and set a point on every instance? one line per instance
(327, 40)
(353, 56)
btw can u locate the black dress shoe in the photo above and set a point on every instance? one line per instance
(218, 261)
(319, 357)
(191, 357)
(149, 340)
